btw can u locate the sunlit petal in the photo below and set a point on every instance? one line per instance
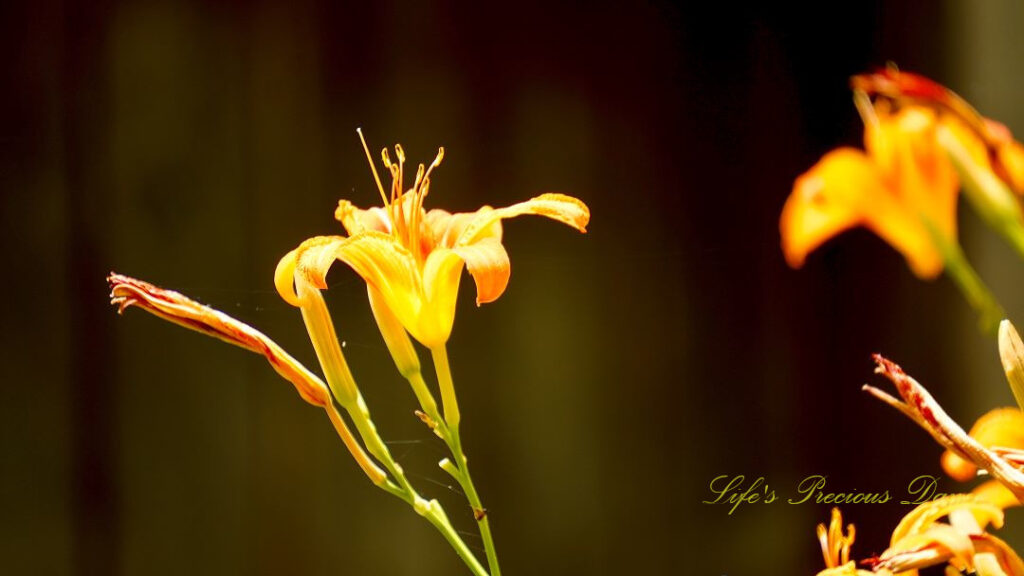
(560, 207)
(825, 201)
(441, 275)
(925, 515)
(487, 261)
(1009, 561)
(446, 228)
(356, 220)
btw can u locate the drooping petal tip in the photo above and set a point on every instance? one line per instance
(824, 202)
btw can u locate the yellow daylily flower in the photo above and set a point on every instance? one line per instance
(411, 258)
(903, 186)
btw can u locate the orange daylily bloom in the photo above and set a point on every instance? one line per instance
(902, 187)
(413, 258)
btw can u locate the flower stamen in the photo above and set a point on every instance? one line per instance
(380, 187)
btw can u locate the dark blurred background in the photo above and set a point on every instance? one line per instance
(193, 144)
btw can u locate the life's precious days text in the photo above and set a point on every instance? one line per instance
(733, 491)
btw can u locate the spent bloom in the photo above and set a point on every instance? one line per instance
(127, 292)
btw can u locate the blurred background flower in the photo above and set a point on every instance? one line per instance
(193, 144)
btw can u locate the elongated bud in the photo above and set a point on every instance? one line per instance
(174, 307)
(325, 342)
(1011, 352)
(395, 336)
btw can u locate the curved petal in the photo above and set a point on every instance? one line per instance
(943, 536)
(1007, 154)
(994, 492)
(1011, 165)
(356, 220)
(487, 261)
(377, 257)
(284, 275)
(445, 228)
(1007, 557)
(284, 278)
(826, 200)
(441, 275)
(565, 209)
(924, 516)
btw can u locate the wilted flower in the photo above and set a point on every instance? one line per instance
(126, 292)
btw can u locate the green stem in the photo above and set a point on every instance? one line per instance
(990, 196)
(461, 471)
(1015, 236)
(970, 284)
(346, 392)
(444, 381)
(427, 402)
(431, 510)
(440, 521)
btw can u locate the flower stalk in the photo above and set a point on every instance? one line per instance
(412, 261)
(973, 288)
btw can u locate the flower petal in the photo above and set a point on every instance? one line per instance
(356, 220)
(915, 166)
(831, 197)
(441, 275)
(994, 492)
(445, 228)
(487, 261)
(565, 209)
(377, 257)
(284, 278)
(922, 518)
(1006, 556)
